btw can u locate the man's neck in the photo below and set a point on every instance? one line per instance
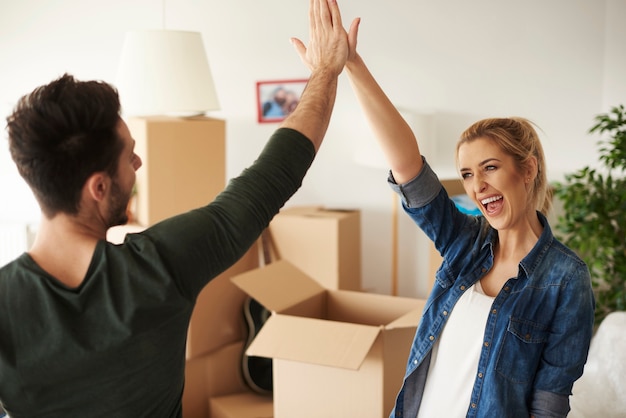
(64, 247)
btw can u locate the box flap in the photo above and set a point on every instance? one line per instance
(278, 285)
(369, 308)
(317, 211)
(410, 319)
(316, 341)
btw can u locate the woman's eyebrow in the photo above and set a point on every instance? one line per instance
(482, 163)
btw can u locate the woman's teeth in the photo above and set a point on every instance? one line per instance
(490, 199)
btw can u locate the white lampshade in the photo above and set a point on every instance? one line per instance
(165, 72)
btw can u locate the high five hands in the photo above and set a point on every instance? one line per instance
(329, 45)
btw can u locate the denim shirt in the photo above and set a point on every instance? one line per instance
(538, 331)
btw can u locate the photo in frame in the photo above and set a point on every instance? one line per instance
(277, 99)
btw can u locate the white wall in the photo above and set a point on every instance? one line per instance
(615, 56)
(558, 63)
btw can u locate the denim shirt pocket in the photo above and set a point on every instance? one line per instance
(520, 351)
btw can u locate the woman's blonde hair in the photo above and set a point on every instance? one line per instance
(517, 137)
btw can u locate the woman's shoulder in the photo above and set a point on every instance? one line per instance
(560, 266)
(558, 251)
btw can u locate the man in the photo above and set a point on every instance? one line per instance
(88, 328)
(273, 108)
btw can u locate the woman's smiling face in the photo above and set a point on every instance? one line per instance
(493, 180)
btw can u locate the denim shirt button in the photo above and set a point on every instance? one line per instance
(483, 270)
(431, 338)
(415, 361)
(462, 287)
(507, 288)
(473, 405)
(480, 375)
(445, 313)
(495, 311)
(486, 343)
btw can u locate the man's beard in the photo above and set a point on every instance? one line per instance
(118, 206)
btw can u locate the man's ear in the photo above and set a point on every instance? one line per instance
(97, 186)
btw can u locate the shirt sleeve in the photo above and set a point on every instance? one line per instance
(198, 245)
(419, 191)
(566, 350)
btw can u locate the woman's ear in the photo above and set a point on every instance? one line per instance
(532, 170)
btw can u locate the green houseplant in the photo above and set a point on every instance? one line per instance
(594, 220)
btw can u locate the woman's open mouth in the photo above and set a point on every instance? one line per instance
(492, 204)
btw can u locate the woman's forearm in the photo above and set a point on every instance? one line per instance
(394, 135)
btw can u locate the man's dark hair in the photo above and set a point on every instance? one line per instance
(62, 133)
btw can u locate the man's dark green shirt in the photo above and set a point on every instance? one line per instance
(115, 346)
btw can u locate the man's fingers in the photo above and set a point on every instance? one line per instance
(312, 16)
(335, 14)
(324, 14)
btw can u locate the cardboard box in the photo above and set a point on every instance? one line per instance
(337, 353)
(184, 164)
(323, 243)
(217, 318)
(241, 405)
(212, 375)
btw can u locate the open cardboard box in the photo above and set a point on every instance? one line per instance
(336, 352)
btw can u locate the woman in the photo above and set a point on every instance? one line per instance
(507, 326)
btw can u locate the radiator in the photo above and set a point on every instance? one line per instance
(14, 240)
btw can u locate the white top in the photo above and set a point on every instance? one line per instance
(455, 355)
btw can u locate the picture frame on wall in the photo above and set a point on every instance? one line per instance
(278, 98)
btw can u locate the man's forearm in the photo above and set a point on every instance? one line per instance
(312, 115)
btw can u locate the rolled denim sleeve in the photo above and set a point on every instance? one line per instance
(419, 191)
(549, 405)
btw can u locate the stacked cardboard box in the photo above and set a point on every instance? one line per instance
(323, 243)
(241, 405)
(184, 164)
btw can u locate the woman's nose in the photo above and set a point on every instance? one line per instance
(479, 184)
